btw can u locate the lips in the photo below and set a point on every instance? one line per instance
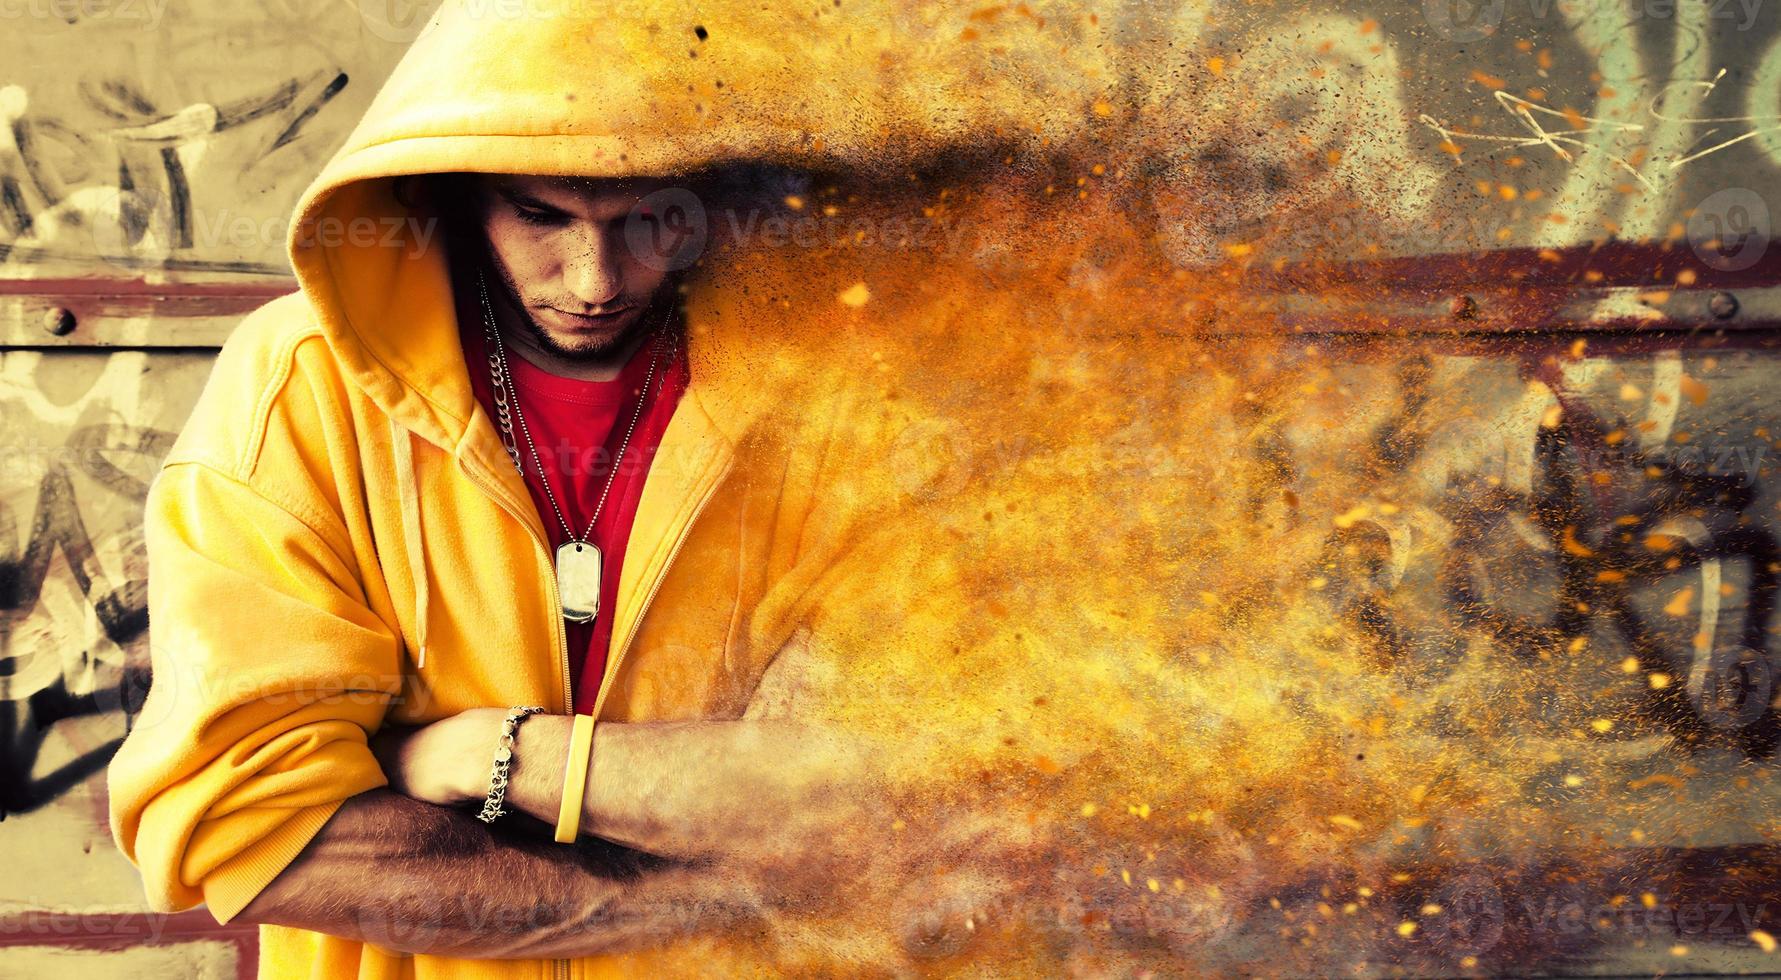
(590, 319)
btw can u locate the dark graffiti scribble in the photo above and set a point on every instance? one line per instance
(1608, 516)
(142, 150)
(122, 610)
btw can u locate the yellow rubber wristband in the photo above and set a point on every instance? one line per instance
(581, 745)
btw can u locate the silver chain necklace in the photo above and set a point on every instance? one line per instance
(579, 560)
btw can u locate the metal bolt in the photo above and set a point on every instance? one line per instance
(58, 320)
(1722, 305)
(1463, 308)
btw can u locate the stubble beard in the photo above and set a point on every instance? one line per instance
(594, 351)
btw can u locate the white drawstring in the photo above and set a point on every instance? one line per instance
(408, 493)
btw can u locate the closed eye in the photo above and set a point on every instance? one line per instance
(535, 216)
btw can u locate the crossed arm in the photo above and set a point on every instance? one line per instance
(418, 878)
(724, 810)
(245, 745)
(749, 791)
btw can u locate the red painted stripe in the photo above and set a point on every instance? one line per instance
(1651, 264)
(100, 298)
(55, 926)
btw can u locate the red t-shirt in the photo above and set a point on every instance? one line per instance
(578, 427)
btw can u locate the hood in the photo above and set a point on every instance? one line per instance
(606, 89)
(611, 89)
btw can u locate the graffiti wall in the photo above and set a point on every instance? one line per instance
(149, 155)
(1544, 336)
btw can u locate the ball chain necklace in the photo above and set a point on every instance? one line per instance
(578, 560)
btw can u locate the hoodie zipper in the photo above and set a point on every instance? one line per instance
(686, 531)
(557, 631)
(560, 968)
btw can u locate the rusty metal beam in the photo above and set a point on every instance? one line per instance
(127, 313)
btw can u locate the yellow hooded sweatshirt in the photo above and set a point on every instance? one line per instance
(337, 540)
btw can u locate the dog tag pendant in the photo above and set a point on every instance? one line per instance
(578, 580)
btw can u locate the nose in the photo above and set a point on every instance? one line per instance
(592, 271)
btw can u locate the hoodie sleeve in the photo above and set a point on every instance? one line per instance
(270, 671)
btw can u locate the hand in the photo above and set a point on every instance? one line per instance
(446, 763)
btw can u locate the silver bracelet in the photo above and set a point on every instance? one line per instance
(491, 807)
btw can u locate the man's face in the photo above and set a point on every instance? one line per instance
(559, 248)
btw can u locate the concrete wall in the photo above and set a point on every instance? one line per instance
(150, 153)
(151, 150)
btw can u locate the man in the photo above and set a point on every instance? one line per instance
(342, 542)
(353, 579)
